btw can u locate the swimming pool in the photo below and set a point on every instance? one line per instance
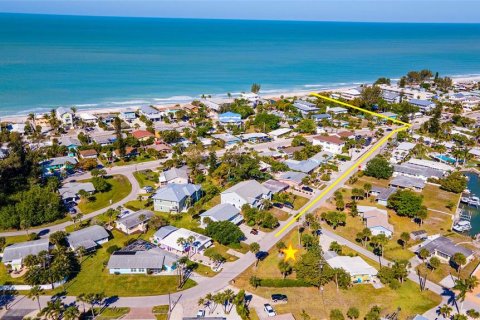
(445, 158)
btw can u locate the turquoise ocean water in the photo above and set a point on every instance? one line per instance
(48, 61)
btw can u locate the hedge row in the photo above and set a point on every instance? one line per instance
(283, 283)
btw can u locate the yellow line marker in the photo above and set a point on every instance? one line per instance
(349, 170)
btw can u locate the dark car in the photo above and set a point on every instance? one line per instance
(278, 205)
(308, 189)
(254, 232)
(289, 205)
(279, 297)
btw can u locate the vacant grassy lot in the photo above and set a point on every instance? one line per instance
(94, 276)
(146, 178)
(438, 199)
(446, 270)
(120, 188)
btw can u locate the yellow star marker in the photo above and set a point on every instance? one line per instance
(289, 253)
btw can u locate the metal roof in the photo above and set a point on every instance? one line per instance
(22, 249)
(87, 237)
(222, 212)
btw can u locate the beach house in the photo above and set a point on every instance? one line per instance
(423, 105)
(305, 107)
(134, 222)
(249, 192)
(175, 198)
(221, 212)
(128, 115)
(332, 143)
(150, 113)
(64, 115)
(14, 254)
(89, 238)
(174, 175)
(356, 267)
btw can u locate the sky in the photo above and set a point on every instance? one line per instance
(458, 11)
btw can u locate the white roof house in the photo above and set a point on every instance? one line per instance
(355, 266)
(279, 132)
(174, 175)
(87, 117)
(431, 164)
(249, 192)
(70, 190)
(134, 222)
(170, 242)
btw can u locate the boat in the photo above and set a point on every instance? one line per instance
(462, 226)
(471, 201)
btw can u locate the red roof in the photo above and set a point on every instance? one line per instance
(329, 139)
(141, 134)
(345, 134)
(87, 153)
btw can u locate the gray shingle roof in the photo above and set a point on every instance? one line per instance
(248, 190)
(133, 219)
(221, 212)
(22, 249)
(275, 186)
(293, 176)
(174, 173)
(71, 189)
(87, 237)
(415, 170)
(407, 182)
(140, 259)
(176, 192)
(446, 246)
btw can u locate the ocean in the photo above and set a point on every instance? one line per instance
(49, 61)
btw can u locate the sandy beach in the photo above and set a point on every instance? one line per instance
(297, 93)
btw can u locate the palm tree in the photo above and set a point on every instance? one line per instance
(52, 310)
(71, 313)
(35, 293)
(255, 248)
(82, 298)
(228, 296)
(94, 299)
(445, 310)
(81, 252)
(464, 286)
(285, 268)
(181, 242)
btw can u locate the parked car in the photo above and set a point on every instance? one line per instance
(254, 232)
(201, 314)
(148, 189)
(289, 205)
(308, 189)
(279, 297)
(278, 205)
(269, 310)
(72, 210)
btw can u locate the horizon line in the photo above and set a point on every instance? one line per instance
(232, 19)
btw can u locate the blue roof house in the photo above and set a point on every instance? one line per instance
(230, 118)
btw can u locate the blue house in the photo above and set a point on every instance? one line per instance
(230, 118)
(423, 105)
(320, 117)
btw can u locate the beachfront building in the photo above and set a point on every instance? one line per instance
(331, 143)
(153, 261)
(89, 238)
(391, 97)
(175, 198)
(150, 113)
(174, 175)
(87, 117)
(249, 192)
(221, 212)
(376, 220)
(65, 116)
(230, 118)
(181, 240)
(214, 105)
(14, 254)
(134, 222)
(351, 94)
(356, 267)
(444, 248)
(305, 107)
(128, 116)
(70, 190)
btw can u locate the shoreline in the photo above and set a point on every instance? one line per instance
(97, 108)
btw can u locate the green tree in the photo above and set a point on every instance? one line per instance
(445, 310)
(353, 313)
(266, 121)
(404, 238)
(459, 260)
(336, 314)
(34, 293)
(335, 218)
(364, 236)
(285, 268)
(255, 249)
(255, 88)
(379, 168)
(405, 203)
(307, 126)
(225, 232)
(455, 182)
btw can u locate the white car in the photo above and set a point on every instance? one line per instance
(269, 310)
(201, 314)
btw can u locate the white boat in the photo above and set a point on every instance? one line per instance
(462, 226)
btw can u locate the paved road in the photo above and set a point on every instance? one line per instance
(220, 281)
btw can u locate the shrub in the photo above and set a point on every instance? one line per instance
(112, 249)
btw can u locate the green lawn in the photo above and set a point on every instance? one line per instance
(203, 270)
(94, 277)
(445, 270)
(110, 313)
(160, 312)
(299, 202)
(120, 188)
(146, 178)
(136, 205)
(221, 249)
(438, 199)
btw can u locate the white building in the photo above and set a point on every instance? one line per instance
(248, 192)
(332, 144)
